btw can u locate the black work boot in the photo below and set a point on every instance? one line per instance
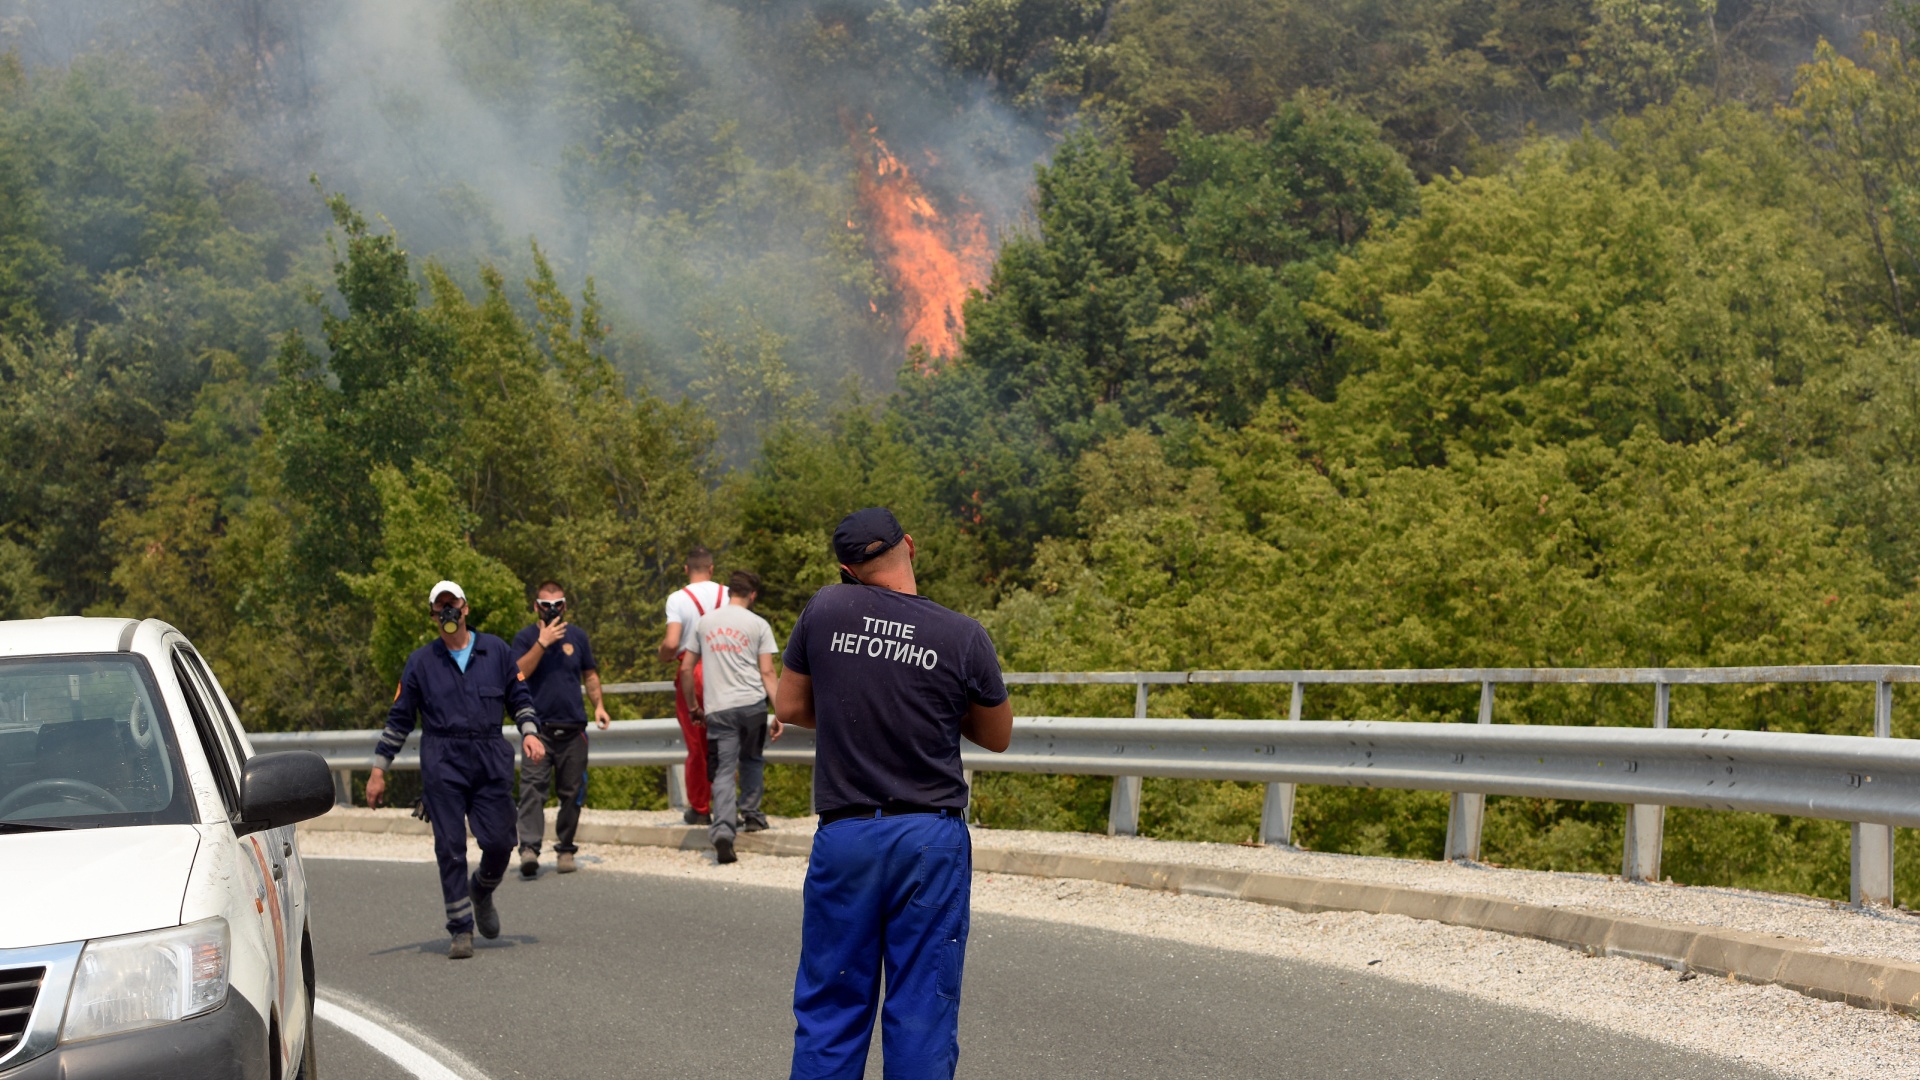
(723, 851)
(486, 918)
(462, 947)
(696, 817)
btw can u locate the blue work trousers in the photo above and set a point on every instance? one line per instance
(883, 894)
(468, 781)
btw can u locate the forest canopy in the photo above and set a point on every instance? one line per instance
(1208, 334)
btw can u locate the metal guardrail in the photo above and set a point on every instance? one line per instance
(664, 686)
(1871, 783)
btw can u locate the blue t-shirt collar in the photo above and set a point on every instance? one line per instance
(460, 656)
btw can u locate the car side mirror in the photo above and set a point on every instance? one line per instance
(280, 789)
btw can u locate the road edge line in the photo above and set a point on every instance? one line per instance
(404, 1045)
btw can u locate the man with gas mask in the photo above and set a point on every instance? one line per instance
(554, 657)
(460, 688)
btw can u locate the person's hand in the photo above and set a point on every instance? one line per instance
(376, 787)
(534, 748)
(697, 716)
(774, 728)
(552, 632)
(600, 716)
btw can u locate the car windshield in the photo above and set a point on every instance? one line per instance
(83, 743)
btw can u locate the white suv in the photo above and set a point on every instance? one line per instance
(153, 910)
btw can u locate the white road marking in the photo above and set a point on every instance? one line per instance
(405, 1046)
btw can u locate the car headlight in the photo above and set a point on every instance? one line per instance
(144, 980)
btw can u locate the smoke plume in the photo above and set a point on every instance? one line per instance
(693, 156)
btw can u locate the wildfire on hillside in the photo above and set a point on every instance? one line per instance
(931, 259)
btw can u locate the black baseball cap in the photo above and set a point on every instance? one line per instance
(866, 534)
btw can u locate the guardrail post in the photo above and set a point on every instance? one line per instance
(1276, 816)
(1469, 810)
(1647, 825)
(343, 787)
(1276, 812)
(1873, 844)
(677, 787)
(1123, 810)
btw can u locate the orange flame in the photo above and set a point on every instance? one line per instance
(932, 261)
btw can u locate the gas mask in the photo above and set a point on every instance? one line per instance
(447, 618)
(551, 610)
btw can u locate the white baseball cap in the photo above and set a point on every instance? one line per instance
(446, 587)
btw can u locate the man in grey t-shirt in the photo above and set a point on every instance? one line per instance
(734, 648)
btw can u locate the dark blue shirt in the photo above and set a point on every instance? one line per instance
(450, 703)
(555, 681)
(893, 676)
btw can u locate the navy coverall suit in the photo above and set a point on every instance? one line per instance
(466, 767)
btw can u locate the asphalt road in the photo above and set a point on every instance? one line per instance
(601, 975)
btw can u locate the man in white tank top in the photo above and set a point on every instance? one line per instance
(684, 608)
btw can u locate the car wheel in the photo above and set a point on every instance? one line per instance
(310, 1057)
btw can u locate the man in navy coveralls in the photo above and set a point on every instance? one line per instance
(890, 681)
(461, 687)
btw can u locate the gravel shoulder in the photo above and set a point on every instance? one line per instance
(1882, 933)
(1764, 1026)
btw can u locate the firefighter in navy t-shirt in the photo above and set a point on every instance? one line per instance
(889, 681)
(556, 659)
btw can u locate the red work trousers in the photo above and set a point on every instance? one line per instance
(699, 788)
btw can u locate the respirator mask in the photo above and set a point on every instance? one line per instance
(447, 618)
(551, 610)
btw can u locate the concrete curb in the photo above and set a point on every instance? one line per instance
(1776, 959)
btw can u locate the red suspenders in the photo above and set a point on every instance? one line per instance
(698, 607)
(691, 595)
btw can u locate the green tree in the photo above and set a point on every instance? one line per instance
(77, 430)
(748, 388)
(1257, 218)
(567, 473)
(1445, 79)
(424, 540)
(1873, 475)
(1553, 302)
(1649, 553)
(1060, 348)
(808, 478)
(27, 261)
(1638, 52)
(1858, 122)
(1160, 307)
(1031, 51)
(382, 395)
(175, 560)
(95, 190)
(122, 276)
